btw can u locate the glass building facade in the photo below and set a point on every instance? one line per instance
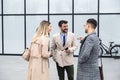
(20, 18)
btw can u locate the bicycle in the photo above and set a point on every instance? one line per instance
(113, 50)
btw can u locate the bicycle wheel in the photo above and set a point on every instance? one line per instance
(115, 51)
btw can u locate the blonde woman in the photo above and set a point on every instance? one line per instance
(38, 63)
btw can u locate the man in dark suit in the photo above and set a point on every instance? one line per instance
(88, 56)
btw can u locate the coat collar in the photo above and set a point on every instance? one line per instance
(92, 33)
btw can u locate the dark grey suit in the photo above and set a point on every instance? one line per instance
(88, 59)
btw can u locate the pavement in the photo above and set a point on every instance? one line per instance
(15, 68)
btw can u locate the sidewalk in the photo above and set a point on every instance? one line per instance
(15, 68)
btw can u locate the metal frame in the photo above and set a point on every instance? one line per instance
(98, 19)
(48, 10)
(24, 23)
(73, 16)
(49, 14)
(2, 27)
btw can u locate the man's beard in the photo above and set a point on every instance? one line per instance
(64, 31)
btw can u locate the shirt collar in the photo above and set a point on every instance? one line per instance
(63, 34)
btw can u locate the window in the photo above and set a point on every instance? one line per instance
(0, 36)
(16, 21)
(36, 6)
(110, 6)
(13, 6)
(85, 6)
(0, 7)
(109, 28)
(61, 6)
(13, 34)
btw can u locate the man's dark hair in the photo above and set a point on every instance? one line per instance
(61, 22)
(93, 22)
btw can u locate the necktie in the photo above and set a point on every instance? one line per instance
(64, 40)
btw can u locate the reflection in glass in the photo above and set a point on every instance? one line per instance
(13, 6)
(13, 34)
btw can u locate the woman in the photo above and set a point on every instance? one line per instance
(38, 63)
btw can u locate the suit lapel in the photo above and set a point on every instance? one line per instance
(59, 40)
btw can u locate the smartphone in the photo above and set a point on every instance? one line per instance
(66, 48)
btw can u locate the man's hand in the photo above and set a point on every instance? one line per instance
(67, 51)
(50, 53)
(80, 38)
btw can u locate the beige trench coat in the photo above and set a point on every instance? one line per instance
(38, 63)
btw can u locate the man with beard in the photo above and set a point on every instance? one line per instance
(62, 48)
(88, 56)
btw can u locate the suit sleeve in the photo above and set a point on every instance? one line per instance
(45, 52)
(73, 45)
(86, 50)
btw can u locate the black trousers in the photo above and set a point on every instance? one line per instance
(69, 70)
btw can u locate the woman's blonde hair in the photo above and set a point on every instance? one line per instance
(41, 30)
